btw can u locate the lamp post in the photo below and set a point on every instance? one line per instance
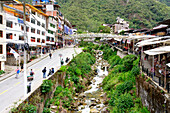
(25, 61)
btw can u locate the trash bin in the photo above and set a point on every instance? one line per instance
(29, 87)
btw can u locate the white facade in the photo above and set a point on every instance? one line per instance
(2, 40)
(51, 30)
(40, 29)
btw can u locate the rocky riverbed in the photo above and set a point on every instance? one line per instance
(94, 99)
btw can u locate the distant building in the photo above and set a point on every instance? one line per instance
(121, 25)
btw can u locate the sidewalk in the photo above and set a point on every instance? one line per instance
(9, 74)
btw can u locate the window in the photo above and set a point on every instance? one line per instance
(32, 21)
(43, 25)
(1, 49)
(9, 36)
(52, 25)
(1, 34)
(52, 39)
(43, 33)
(32, 30)
(9, 24)
(38, 32)
(49, 31)
(38, 39)
(38, 23)
(1, 19)
(21, 37)
(43, 41)
(52, 32)
(48, 38)
(22, 27)
(27, 28)
(32, 39)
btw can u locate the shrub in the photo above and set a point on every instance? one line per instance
(46, 110)
(124, 87)
(46, 86)
(135, 70)
(1, 72)
(29, 108)
(124, 102)
(128, 61)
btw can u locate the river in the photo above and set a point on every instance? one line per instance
(92, 100)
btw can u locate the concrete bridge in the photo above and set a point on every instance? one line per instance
(90, 35)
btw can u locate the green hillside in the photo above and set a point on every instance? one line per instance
(90, 14)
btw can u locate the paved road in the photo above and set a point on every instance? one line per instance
(12, 89)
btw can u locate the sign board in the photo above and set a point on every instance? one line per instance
(20, 21)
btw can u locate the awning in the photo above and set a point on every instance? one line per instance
(141, 37)
(118, 39)
(155, 42)
(157, 51)
(160, 26)
(168, 64)
(154, 39)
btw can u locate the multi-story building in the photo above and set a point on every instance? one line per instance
(44, 27)
(2, 38)
(121, 25)
(51, 31)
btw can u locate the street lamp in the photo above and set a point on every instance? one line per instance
(25, 61)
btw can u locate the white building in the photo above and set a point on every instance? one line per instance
(121, 25)
(51, 31)
(2, 39)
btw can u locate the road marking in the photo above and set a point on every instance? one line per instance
(3, 92)
(17, 83)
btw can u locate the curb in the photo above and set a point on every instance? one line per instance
(27, 67)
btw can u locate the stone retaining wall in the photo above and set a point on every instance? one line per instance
(152, 97)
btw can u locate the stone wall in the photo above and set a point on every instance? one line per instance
(152, 97)
(38, 99)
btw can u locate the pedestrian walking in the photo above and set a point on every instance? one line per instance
(17, 72)
(31, 76)
(52, 70)
(50, 55)
(31, 73)
(44, 72)
(62, 62)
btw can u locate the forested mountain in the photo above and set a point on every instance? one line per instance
(90, 14)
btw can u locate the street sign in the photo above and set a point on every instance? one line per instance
(26, 46)
(60, 55)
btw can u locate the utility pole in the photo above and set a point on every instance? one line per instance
(25, 53)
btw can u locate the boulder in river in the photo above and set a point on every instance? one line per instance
(92, 104)
(82, 95)
(93, 99)
(94, 111)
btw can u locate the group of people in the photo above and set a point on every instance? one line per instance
(44, 71)
(51, 71)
